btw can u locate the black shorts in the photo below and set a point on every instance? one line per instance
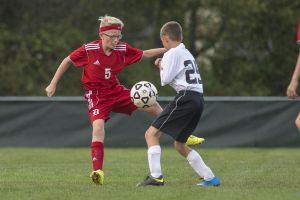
(181, 116)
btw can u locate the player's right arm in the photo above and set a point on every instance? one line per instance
(153, 52)
(64, 65)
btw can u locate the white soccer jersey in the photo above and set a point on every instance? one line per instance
(180, 70)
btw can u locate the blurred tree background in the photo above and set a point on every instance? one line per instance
(243, 47)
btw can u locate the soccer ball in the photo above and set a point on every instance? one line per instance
(143, 94)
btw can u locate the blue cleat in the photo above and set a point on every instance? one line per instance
(213, 182)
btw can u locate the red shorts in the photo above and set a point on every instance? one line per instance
(100, 105)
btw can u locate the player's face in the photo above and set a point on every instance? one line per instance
(110, 38)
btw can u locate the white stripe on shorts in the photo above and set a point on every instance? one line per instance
(172, 110)
(90, 100)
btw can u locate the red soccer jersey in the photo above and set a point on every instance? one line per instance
(298, 35)
(100, 71)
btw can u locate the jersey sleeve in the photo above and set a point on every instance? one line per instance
(298, 35)
(132, 55)
(169, 64)
(79, 57)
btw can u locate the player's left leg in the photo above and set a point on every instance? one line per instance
(156, 109)
(196, 162)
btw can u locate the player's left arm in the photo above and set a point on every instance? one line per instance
(153, 52)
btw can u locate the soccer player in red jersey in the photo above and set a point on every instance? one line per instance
(291, 90)
(102, 60)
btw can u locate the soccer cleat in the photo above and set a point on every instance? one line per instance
(97, 177)
(213, 182)
(152, 181)
(193, 140)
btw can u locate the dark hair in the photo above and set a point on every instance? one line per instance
(173, 30)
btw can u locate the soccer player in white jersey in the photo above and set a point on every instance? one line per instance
(179, 119)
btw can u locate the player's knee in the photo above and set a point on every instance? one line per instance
(181, 148)
(297, 122)
(151, 133)
(98, 135)
(98, 130)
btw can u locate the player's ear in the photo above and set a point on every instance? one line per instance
(163, 38)
(167, 38)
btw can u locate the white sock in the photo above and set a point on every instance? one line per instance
(154, 161)
(199, 166)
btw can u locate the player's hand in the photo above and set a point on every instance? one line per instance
(50, 90)
(157, 62)
(291, 90)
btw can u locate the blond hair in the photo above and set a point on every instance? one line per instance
(173, 30)
(109, 20)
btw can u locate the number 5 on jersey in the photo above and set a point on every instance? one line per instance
(107, 74)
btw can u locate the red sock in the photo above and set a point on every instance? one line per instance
(97, 153)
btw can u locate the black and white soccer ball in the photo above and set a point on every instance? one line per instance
(143, 94)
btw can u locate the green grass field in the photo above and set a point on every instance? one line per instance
(32, 173)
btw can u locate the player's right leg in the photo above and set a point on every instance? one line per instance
(98, 113)
(155, 178)
(97, 151)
